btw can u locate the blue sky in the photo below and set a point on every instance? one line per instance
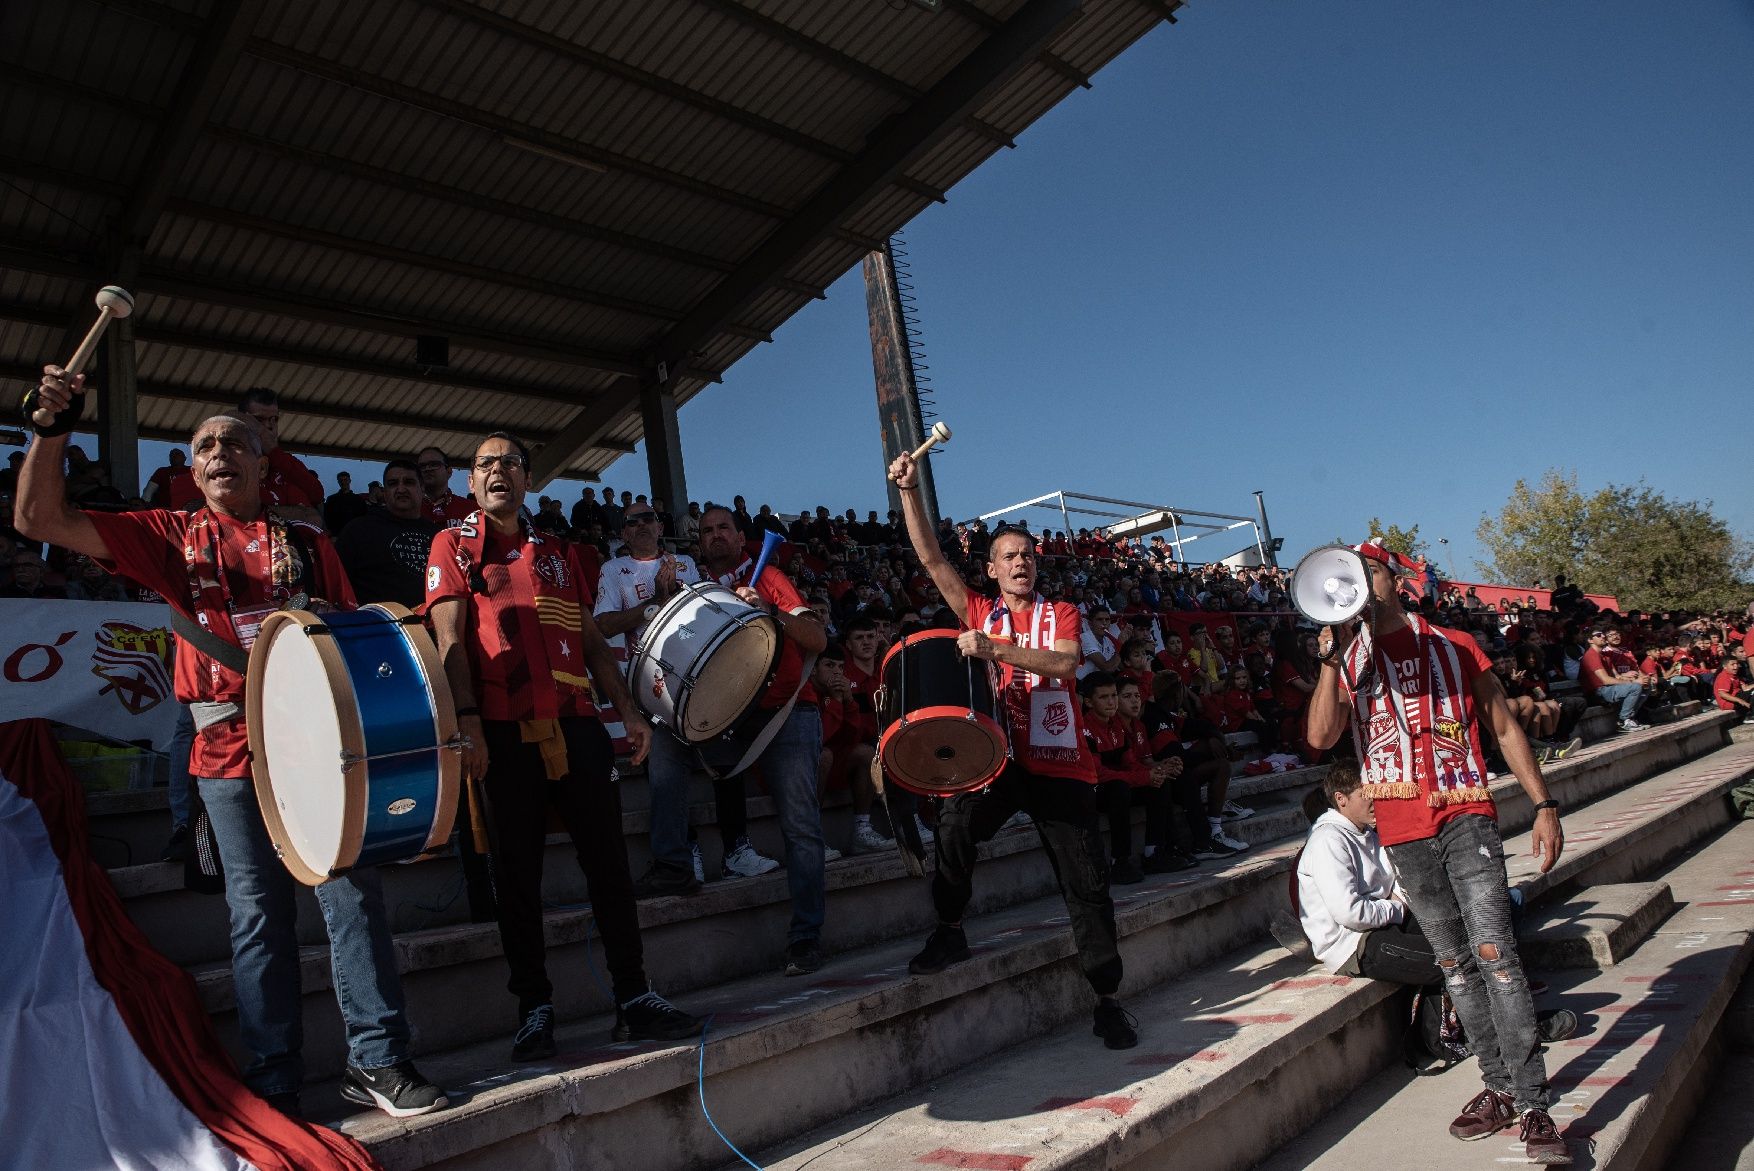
(1370, 258)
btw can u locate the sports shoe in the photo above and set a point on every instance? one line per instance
(1541, 1140)
(1118, 1028)
(652, 1018)
(398, 1090)
(1168, 861)
(1556, 1025)
(1486, 1113)
(927, 837)
(1629, 725)
(803, 956)
(1125, 872)
(534, 1039)
(697, 861)
(947, 945)
(866, 839)
(1561, 751)
(177, 847)
(1213, 848)
(744, 862)
(830, 854)
(1236, 845)
(660, 880)
(1545, 753)
(1234, 812)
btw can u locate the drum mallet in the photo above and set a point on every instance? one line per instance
(940, 432)
(112, 303)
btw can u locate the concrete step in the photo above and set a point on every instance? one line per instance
(737, 928)
(1627, 1083)
(1595, 928)
(789, 1054)
(1234, 1060)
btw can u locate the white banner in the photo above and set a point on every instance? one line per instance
(105, 667)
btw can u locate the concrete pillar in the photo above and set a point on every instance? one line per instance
(663, 440)
(1264, 533)
(118, 410)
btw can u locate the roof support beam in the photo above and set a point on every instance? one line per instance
(902, 139)
(973, 12)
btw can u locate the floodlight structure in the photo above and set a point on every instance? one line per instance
(1185, 525)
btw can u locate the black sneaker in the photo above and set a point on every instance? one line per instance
(286, 1103)
(660, 880)
(1556, 1025)
(1168, 861)
(1118, 1028)
(1125, 872)
(947, 945)
(652, 1018)
(803, 956)
(534, 1039)
(1212, 849)
(398, 1090)
(177, 848)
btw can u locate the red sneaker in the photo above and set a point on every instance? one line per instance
(1487, 1113)
(1541, 1140)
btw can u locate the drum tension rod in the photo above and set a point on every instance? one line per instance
(349, 759)
(315, 628)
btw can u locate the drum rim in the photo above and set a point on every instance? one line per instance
(643, 655)
(946, 711)
(450, 764)
(767, 676)
(685, 590)
(917, 637)
(352, 740)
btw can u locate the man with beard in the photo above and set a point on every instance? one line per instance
(385, 551)
(1052, 774)
(442, 506)
(788, 761)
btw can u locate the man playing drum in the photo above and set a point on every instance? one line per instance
(1052, 773)
(226, 566)
(787, 763)
(511, 612)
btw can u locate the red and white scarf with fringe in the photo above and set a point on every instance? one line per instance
(1414, 721)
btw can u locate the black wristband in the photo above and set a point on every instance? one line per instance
(468, 711)
(65, 420)
(1549, 803)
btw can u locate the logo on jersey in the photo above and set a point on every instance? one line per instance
(432, 578)
(1056, 717)
(552, 569)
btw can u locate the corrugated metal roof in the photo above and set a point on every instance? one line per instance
(559, 188)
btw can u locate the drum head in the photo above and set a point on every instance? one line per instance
(940, 755)
(730, 679)
(301, 717)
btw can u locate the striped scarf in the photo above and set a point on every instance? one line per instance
(555, 596)
(1414, 721)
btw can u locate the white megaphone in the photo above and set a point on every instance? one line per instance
(1331, 585)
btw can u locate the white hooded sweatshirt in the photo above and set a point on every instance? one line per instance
(1344, 881)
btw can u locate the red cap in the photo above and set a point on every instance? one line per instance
(1374, 551)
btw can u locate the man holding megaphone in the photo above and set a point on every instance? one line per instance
(1415, 695)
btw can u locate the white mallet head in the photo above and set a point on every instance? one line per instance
(940, 432)
(118, 301)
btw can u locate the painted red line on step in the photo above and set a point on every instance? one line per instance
(1598, 1081)
(1644, 1006)
(975, 1160)
(1671, 978)
(1726, 903)
(1256, 1018)
(1739, 888)
(1167, 1059)
(1608, 1044)
(1115, 1105)
(852, 982)
(1311, 982)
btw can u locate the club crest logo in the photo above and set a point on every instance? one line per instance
(135, 664)
(657, 684)
(433, 577)
(1056, 717)
(552, 569)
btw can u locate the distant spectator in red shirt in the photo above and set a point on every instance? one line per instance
(291, 487)
(1731, 694)
(158, 485)
(441, 504)
(1175, 658)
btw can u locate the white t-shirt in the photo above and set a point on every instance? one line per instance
(1104, 645)
(627, 581)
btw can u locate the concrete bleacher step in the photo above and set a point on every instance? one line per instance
(1234, 1059)
(1596, 928)
(1628, 1083)
(790, 1054)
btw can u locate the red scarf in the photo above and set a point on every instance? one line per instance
(1043, 712)
(559, 617)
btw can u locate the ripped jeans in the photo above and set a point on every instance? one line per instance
(1455, 884)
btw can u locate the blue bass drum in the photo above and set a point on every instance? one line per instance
(354, 740)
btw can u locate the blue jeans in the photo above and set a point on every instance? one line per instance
(182, 743)
(264, 949)
(1455, 884)
(1630, 697)
(788, 764)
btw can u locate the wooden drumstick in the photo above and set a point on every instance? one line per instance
(940, 432)
(112, 303)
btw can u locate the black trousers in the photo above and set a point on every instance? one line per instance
(1118, 801)
(519, 795)
(1399, 953)
(1065, 815)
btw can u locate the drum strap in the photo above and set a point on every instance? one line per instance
(768, 731)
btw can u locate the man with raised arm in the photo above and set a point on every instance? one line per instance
(1051, 775)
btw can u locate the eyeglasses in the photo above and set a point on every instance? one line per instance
(640, 518)
(511, 461)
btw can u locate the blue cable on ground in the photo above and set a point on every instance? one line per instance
(700, 1086)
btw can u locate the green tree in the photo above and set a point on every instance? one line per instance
(1397, 539)
(1650, 552)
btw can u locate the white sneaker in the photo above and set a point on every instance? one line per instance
(866, 839)
(744, 862)
(1234, 812)
(699, 865)
(830, 854)
(926, 835)
(1629, 725)
(1228, 842)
